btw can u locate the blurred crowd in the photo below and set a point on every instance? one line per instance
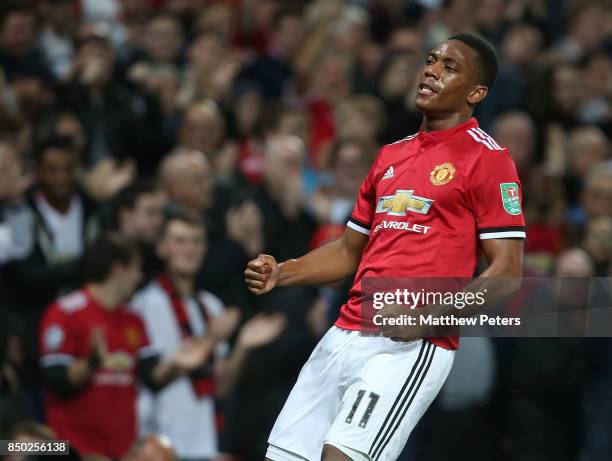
(251, 124)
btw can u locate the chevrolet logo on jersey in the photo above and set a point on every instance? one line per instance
(401, 202)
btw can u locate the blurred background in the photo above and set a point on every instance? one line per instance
(260, 118)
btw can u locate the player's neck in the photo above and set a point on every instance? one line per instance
(106, 294)
(435, 123)
(184, 284)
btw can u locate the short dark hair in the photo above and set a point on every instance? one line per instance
(53, 142)
(10, 126)
(367, 148)
(102, 253)
(487, 57)
(285, 12)
(13, 7)
(129, 195)
(180, 216)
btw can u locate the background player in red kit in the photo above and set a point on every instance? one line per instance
(94, 350)
(431, 203)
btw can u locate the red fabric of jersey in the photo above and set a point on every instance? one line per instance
(426, 203)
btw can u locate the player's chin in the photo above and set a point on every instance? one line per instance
(425, 103)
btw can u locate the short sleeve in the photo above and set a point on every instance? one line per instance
(362, 216)
(496, 197)
(59, 341)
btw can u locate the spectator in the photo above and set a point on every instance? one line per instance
(286, 120)
(249, 126)
(17, 369)
(64, 220)
(203, 129)
(218, 18)
(211, 70)
(587, 146)
(118, 123)
(59, 26)
(21, 65)
(597, 109)
(516, 131)
(94, 350)
(163, 39)
(287, 227)
(138, 213)
(64, 124)
(585, 32)
(360, 117)
(272, 70)
(15, 373)
(596, 197)
(520, 72)
(186, 177)
(18, 54)
(348, 162)
(395, 91)
(173, 311)
(233, 234)
(533, 427)
(15, 131)
(15, 237)
(566, 95)
(326, 89)
(598, 243)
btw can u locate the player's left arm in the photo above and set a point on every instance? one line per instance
(505, 258)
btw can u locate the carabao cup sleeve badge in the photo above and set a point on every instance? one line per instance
(510, 198)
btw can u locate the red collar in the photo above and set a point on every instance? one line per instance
(427, 137)
(93, 302)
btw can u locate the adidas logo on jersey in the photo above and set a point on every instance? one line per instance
(389, 173)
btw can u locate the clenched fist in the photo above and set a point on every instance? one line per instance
(262, 274)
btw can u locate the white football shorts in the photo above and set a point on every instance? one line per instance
(361, 393)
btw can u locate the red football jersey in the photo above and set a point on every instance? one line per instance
(425, 204)
(102, 417)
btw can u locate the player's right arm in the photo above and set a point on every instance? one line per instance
(328, 263)
(67, 363)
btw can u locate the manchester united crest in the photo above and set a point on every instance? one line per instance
(132, 336)
(442, 174)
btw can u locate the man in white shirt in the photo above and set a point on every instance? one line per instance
(61, 220)
(173, 310)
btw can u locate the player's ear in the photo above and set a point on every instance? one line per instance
(477, 94)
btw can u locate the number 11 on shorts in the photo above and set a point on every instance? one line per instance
(368, 411)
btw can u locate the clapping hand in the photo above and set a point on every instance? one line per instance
(261, 330)
(192, 353)
(222, 326)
